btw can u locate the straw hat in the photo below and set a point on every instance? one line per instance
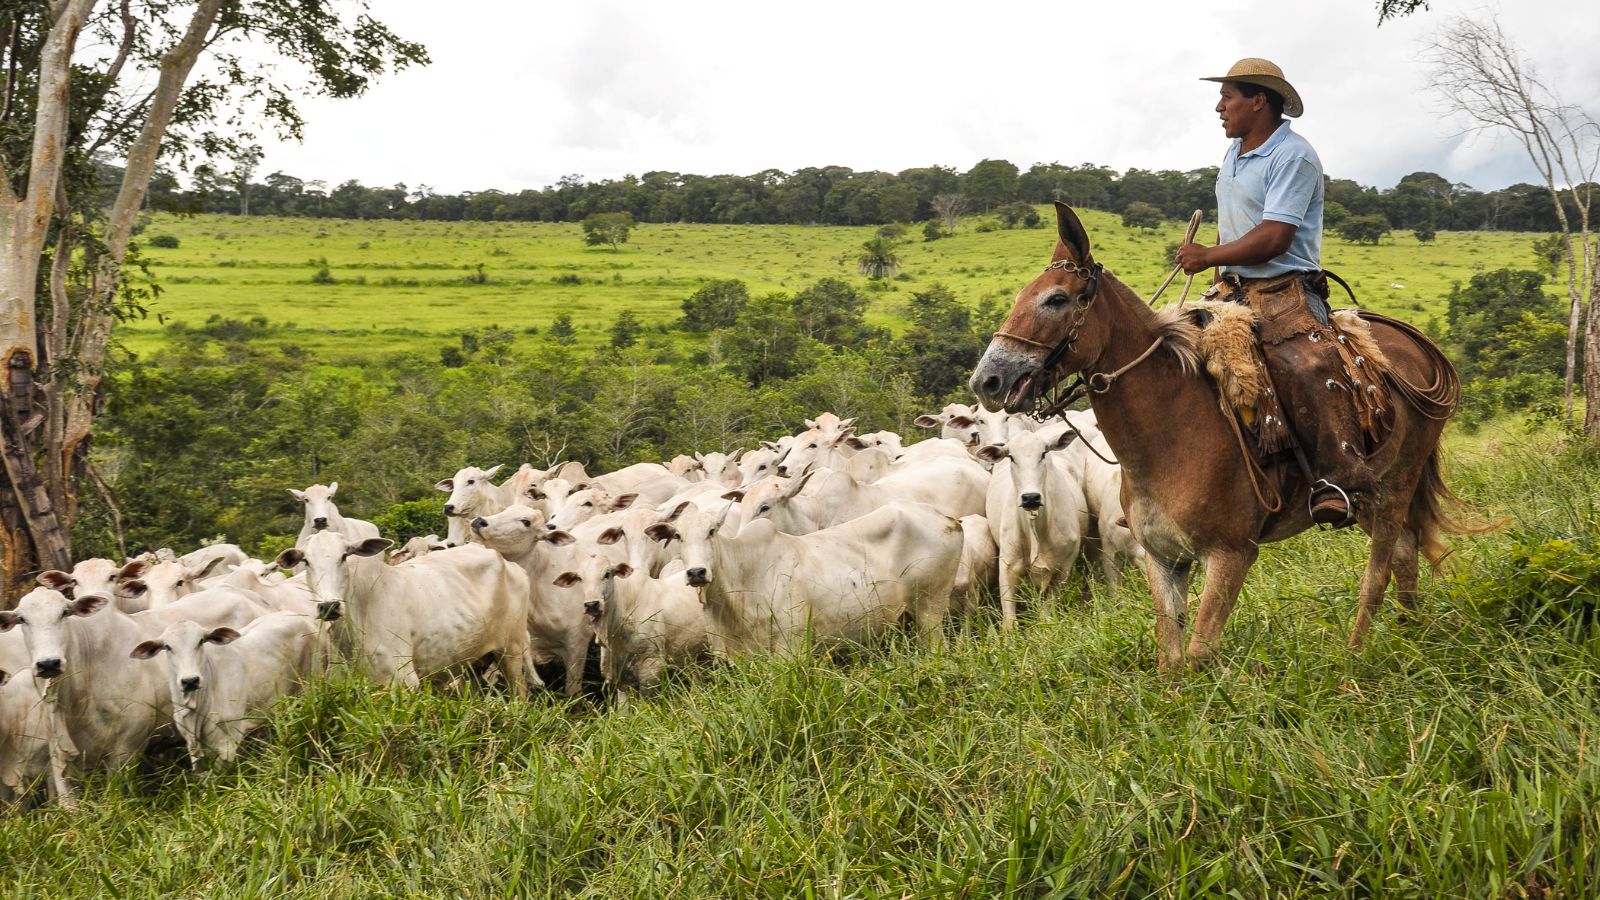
(1265, 74)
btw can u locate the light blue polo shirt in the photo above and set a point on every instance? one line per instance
(1280, 181)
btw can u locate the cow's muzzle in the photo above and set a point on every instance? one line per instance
(48, 668)
(330, 610)
(697, 577)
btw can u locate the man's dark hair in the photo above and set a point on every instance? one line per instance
(1274, 99)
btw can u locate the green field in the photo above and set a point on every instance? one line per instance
(1455, 758)
(405, 285)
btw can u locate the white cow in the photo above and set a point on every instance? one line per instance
(421, 618)
(416, 548)
(555, 624)
(292, 595)
(102, 706)
(759, 463)
(24, 727)
(323, 515)
(954, 423)
(651, 481)
(954, 487)
(1102, 493)
(765, 590)
(581, 506)
(644, 625)
(721, 467)
(222, 681)
(1036, 512)
(977, 579)
(142, 586)
(472, 493)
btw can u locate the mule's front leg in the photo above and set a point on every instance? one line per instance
(1225, 572)
(1375, 581)
(1169, 586)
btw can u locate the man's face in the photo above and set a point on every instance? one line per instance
(1238, 111)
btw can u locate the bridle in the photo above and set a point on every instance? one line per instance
(1055, 401)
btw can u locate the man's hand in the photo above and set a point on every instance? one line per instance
(1192, 257)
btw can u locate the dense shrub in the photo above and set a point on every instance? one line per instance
(164, 241)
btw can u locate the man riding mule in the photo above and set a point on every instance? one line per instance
(1192, 488)
(1268, 255)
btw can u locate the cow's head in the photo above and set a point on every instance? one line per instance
(42, 614)
(324, 556)
(697, 530)
(318, 500)
(184, 643)
(1029, 453)
(470, 491)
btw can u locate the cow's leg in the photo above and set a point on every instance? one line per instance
(1225, 572)
(577, 657)
(1169, 586)
(511, 663)
(1375, 580)
(1405, 573)
(1010, 577)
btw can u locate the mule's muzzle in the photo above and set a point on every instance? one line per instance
(48, 668)
(330, 610)
(1005, 379)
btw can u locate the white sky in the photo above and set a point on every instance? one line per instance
(521, 93)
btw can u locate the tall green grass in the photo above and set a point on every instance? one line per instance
(1454, 757)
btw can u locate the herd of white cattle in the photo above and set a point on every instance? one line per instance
(823, 538)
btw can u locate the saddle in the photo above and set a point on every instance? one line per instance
(1247, 342)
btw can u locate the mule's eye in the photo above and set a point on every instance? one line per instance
(1055, 298)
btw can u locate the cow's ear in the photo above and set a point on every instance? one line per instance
(662, 532)
(559, 538)
(624, 501)
(580, 486)
(289, 558)
(926, 421)
(447, 485)
(333, 488)
(677, 511)
(567, 579)
(735, 496)
(4, 676)
(490, 472)
(205, 570)
(1066, 438)
(960, 422)
(856, 443)
(222, 635)
(609, 536)
(369, 547)
(133, 587)
(87, 606)
(133, 569)
(622, 570)
(298, 495)
(811, 423)
(992, 453)
(8, 620)
(57, 580)
(147, 650)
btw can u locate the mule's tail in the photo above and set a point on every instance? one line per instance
(1430, 518)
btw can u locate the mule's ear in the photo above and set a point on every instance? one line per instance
(57, 580)
(1071, 232)
(222, 635)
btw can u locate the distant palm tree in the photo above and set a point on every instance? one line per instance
(878, 259)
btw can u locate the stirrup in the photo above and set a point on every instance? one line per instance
(1323, 486)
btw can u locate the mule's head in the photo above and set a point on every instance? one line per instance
(1056, 310)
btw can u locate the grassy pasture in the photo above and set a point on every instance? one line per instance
(1455, 758)
(405, 285)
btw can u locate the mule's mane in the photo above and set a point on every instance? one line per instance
(1180, 337)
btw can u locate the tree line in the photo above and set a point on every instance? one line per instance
(838, 195)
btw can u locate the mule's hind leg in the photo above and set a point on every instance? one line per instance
(1169, 586)
(1375, 581)
(1405, 573)
(1225, 572)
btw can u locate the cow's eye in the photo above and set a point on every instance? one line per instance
(64, 613)
(812, 447)
(587, 503)
(527, 523)
(472, 481)
(764, 507)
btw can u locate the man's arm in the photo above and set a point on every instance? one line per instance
(1262, 243)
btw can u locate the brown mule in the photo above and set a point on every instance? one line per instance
(1186, 487)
